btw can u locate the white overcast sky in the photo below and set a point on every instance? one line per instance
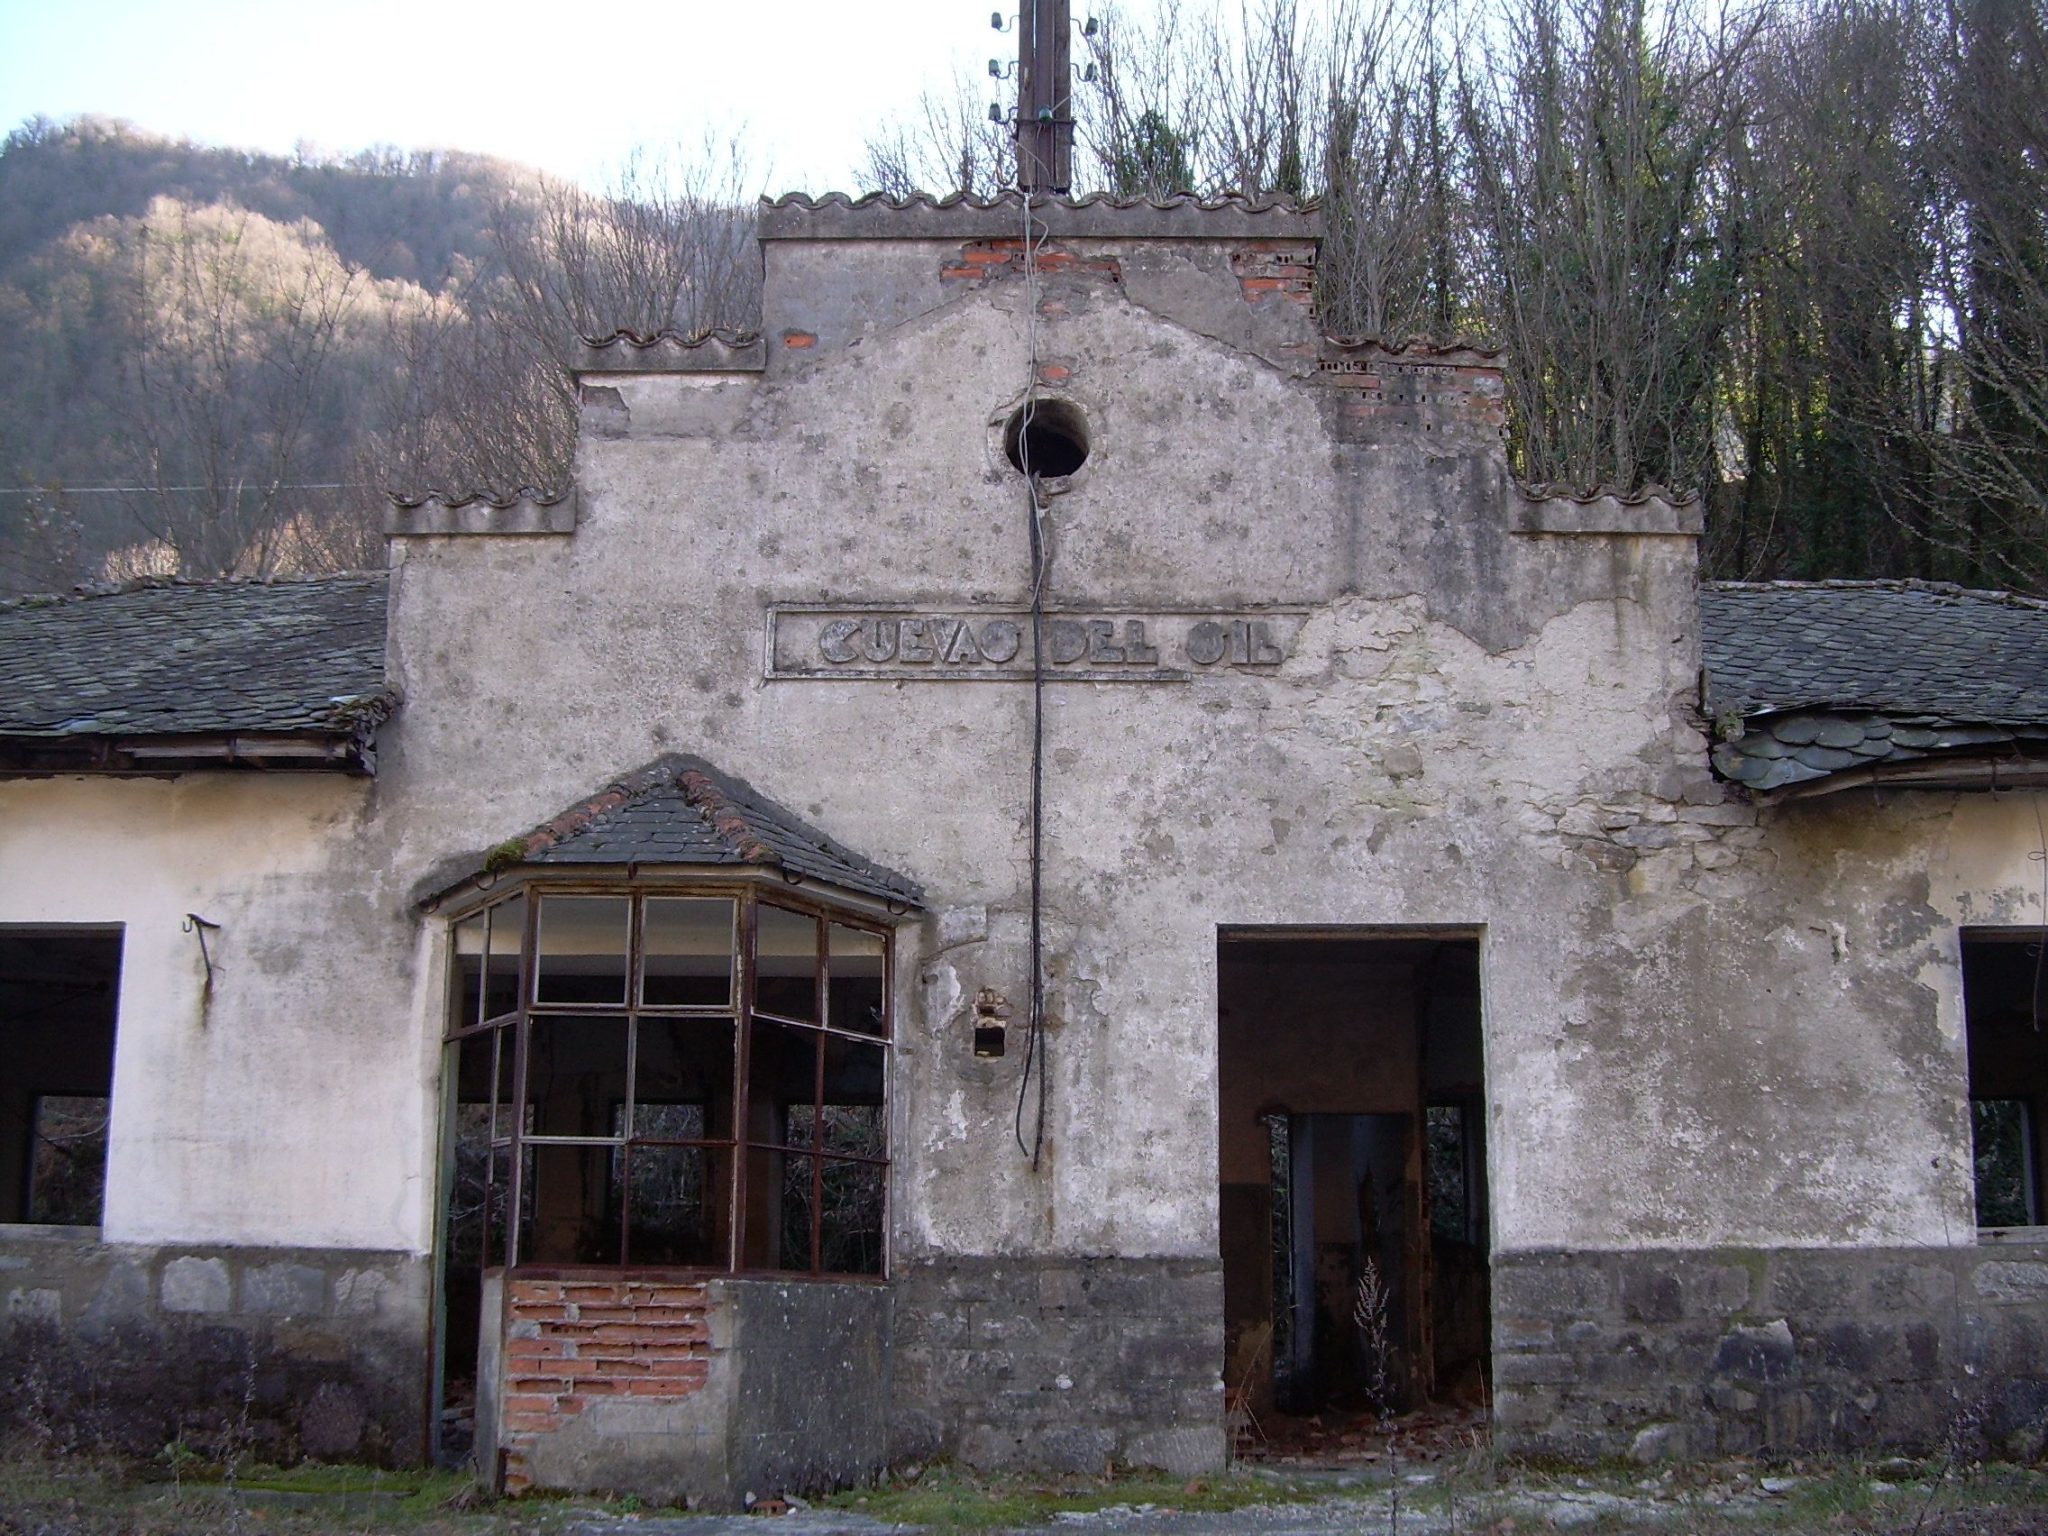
(568, 86)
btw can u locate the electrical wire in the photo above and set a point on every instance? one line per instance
(1034, 1042)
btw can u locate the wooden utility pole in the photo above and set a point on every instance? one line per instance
(1045, 96)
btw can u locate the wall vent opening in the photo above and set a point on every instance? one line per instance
(1046, 437)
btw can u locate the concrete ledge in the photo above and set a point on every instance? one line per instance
(1607, 512)
(672, 352)
(439, 516)
(876, 217)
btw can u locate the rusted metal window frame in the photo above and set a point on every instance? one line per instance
(515, 1027)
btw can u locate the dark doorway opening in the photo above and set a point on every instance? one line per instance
(1353, 1174)
(59, 993)
(2005, 1012)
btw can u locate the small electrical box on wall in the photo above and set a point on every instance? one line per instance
(991, 1022)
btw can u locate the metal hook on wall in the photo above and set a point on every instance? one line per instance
(194, 923)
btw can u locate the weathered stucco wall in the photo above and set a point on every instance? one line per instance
(293, 1104)
(1706, 1026)
(1486, 719)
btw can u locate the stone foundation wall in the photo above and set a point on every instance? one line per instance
(1060, 1363)
(273, 1353)
(1671, 1354)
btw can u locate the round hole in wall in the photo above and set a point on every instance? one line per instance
(1047, 437)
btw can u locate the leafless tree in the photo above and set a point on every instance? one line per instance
(945, 143)
(1595, 130)
(233, 328)
(1987, 313)
(668, 245)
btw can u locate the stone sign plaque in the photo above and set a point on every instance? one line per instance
(895, 644)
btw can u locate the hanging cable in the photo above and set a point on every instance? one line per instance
(1034, 1037)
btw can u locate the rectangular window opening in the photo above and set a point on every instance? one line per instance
(59, 998)
(2005, 1013)
(667, 1079)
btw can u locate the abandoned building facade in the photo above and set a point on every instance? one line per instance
(1015, 847)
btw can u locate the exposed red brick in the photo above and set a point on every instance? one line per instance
(532, 1349)
(684, 1370)
(796, 341)
(662, 1387)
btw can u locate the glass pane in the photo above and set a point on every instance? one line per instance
(68, 1173)
(850, 1226)
(856, 980)
(679, 1197)
(2003, 1152)
(501, 971)
(688, 953)
(782, 1083)
(582, 949)
(501, 1128)
(573, 1205)
(575, 1075)
(778, 1231)
(854, 1119)
(786, 963)
(682, 1088)
(466, 989)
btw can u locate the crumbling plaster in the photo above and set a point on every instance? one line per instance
(1477, 726)
(291, 1106)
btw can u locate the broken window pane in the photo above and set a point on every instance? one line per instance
(786, 963)
(783, 1083)
(850, 1218)
(779, 1202)
(501, 969)
(582, 949)
(575, 1074)
(469, 1187)
(2002, 1144)
(683, 1082)
(497, 1206)
(68, 1175)
(504, 1043)
(678, 1197)
(466, 1003)
(687, 961)
(574, 1205)
(855, 989)
(853, 1120)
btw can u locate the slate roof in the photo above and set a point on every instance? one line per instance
(681, 810)
(1810, 681)
(171, 658)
